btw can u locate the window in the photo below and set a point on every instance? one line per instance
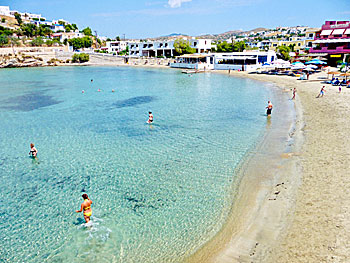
(299, 44)
(262, 59)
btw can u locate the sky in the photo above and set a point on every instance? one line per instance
(153, 18)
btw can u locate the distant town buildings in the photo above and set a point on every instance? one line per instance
(166, 48)
(333, 40)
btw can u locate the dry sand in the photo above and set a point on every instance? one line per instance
(307, 218)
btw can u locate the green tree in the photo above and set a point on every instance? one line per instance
(65, 41)
(223, 47)
(3, 40)
(60, 22)
(36, 42)
(291, 47)
(239, 46)
(76, 43)
(182, 46)
(30, 30)
(87, 42)
(3, 20)
(124, 52)
(74, 26)
(68, 28)
(18, 18)
(87, 31)
(80, 58)
(118, 38)
(283, 52)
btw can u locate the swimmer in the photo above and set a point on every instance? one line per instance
(83, 91)
(269, 108)
(92, 80)
(150, 117)
(99, 90)
(86, 207)
(33, 151)
(113, 90)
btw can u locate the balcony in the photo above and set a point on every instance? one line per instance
(330, 50)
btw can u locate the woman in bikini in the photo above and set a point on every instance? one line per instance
(33, 151)
(86, 207)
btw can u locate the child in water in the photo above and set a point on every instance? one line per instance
(150, 117)
(33, 151)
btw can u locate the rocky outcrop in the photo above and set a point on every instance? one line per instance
(18, 61)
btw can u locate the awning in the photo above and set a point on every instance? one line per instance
(237, 57)
(326, 32)
(338, 31)
(347, 32)
(193, 56)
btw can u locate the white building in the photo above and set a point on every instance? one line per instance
(5, 11)
(69, 35)
(165, 48)
(115, 46)
(60, 20)
(56, 28)
(245, 61)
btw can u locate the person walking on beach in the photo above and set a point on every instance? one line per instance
(269, 108)
(322, 91)
(150, 117)
(294, 92)
(86, 207)
(33, 151)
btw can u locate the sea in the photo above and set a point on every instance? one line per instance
(160, 191)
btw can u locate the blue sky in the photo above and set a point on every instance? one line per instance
(151, 18)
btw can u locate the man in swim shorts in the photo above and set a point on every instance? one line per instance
(86, 207)
(269, 108)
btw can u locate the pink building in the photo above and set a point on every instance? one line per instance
(333, 39)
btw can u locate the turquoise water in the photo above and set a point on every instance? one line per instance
(159, 191)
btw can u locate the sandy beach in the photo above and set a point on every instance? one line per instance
(297, 210)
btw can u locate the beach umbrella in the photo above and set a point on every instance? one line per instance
(297, 63)
(333, 73)
(346, 75)
(316, 62)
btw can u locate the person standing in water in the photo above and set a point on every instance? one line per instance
(33, 151)
(86, 207)
(150, 117)
(269, 108)
(294, 92)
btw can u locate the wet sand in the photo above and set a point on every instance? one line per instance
(296, 210)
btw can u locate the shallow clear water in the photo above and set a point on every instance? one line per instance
(159, 191)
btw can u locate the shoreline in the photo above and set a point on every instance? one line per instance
(256, 219)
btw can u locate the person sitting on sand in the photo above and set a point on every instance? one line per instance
(150, 117)
(269, 108)
(33, 151)
(86, 207)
